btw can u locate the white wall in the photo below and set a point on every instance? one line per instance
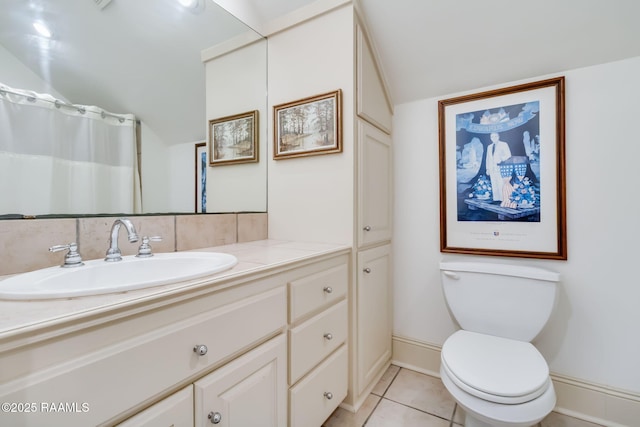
(168, 178)
(311, 198)
(180, 192)
(237, 83)
(154, 164)
(593, 333)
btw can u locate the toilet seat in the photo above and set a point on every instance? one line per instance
(495, 369)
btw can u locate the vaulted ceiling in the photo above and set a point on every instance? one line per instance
(430, 48)
(436, 47)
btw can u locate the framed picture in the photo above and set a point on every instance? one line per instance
(201, 164)
(308, 127)
(502, 172)
(234, 139)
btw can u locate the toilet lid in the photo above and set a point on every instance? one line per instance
(494, 368)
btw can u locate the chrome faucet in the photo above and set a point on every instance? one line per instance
(113, 253)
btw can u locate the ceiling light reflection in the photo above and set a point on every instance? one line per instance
(42, 29)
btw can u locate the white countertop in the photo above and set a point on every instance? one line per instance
(17, 317)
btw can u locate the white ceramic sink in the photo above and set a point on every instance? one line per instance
(101, 277)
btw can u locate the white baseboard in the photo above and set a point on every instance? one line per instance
(576, 398)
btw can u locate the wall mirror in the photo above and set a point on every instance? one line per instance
(173, 64)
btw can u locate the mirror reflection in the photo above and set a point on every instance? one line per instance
(168, 65)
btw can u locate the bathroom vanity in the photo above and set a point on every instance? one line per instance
(264, 344)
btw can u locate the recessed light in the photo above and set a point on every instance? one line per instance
(189, 4)
(42, 29)
(193, 6)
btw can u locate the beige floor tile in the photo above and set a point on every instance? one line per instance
(422, 392)
(343, 418)
(392, 414)
(558, 420)
(415, 399)
(386, 380)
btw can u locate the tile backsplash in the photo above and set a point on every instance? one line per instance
(25, 243)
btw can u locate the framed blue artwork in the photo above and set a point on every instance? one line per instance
(502, 172)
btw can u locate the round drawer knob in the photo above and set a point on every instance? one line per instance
(367, 270)
(215, 417)
(328, 395)
(201, 349)
(366, 228)
(328, 336)
(328, 289)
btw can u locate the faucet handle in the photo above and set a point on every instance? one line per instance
(72, 258)
(144, 251)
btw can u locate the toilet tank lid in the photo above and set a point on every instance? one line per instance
(501, 269)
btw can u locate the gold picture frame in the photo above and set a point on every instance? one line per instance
(308, 127)
(234, 139)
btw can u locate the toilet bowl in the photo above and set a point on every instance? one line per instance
(489, 366)
(498, 381)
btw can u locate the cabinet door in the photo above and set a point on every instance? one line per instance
(374, 305)
(174, 411)
(248, 391)
(374, 185)
(372, 101)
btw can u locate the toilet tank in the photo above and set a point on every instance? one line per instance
(508, 301)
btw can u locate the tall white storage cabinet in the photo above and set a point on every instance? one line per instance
(373, 296)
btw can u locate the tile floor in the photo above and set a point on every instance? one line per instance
(405, 398)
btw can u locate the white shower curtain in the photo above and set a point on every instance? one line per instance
(62, 159)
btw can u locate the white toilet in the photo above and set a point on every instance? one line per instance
(490, 366)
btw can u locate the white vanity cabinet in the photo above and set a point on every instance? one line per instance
(113, 379)
(214, 354)
(318, 365)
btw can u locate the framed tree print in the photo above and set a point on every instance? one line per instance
(234, 139)
(502, 172)
(308, 127)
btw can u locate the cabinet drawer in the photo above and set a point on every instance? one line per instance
(316, 338)
(174, 411)
(310, 293)
(315, 397)
(116, 377)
